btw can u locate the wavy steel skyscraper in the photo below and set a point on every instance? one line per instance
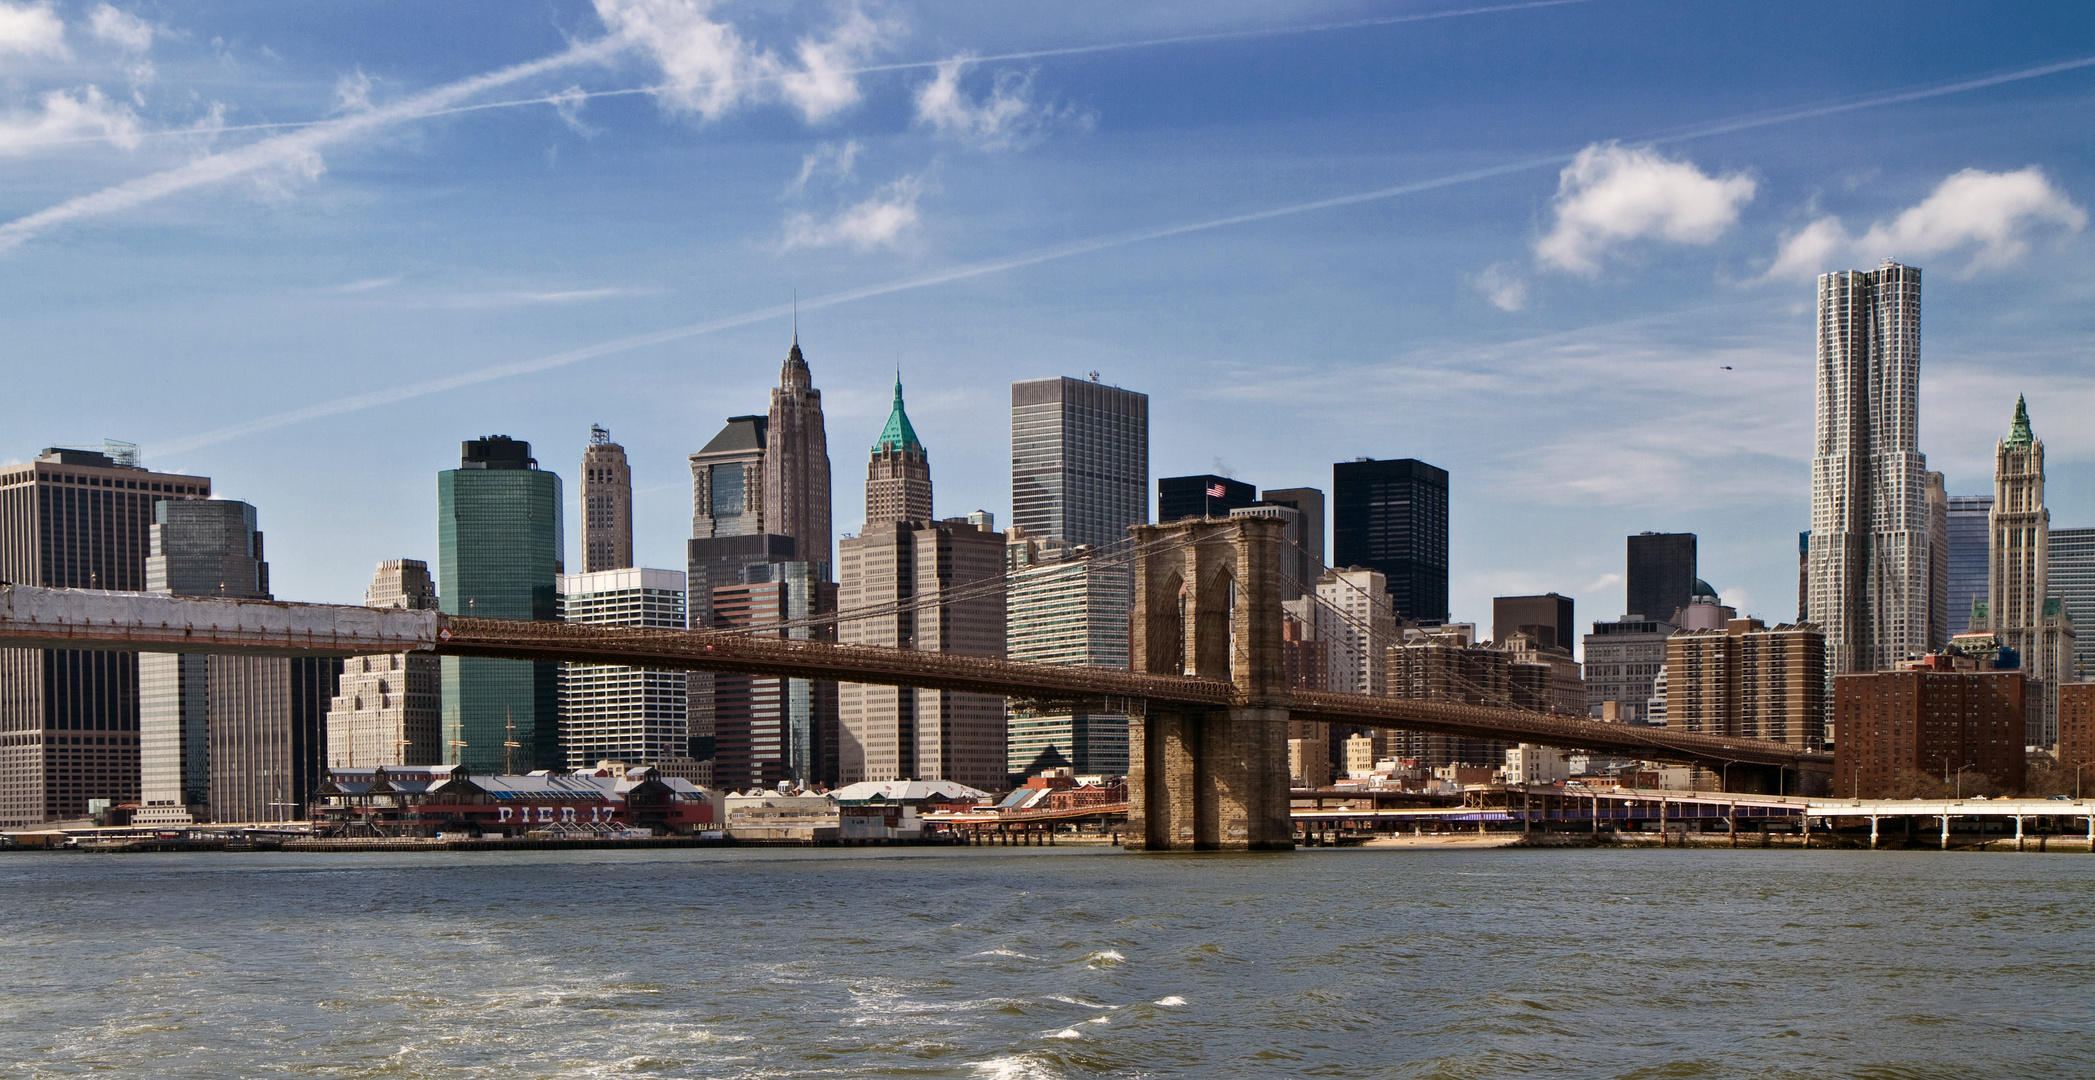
(1869, 554)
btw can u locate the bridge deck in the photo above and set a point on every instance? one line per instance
(32, 617)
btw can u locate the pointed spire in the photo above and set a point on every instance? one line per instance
(2019, 435)
(898, 433)
(794, 375)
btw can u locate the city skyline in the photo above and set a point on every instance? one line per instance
(1232, 331)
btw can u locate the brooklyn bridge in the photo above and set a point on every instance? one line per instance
(1206, 689)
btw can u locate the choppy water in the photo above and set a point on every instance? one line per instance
(1050, 963)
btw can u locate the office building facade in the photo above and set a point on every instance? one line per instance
(607, 504)
(1870, 561)
(1079, 478)
(1060, 609)
(1302, 542)
(499, 556)
(74, 519)
(1661, 575)
(944, 579)
(1968, 525)
(1624, 660)
(2071, 569)
(198, 547)
(727, 481)
(388, 709)
(1079, 460)
(614, 712)
(768, 730)
(1392, 516)
(1915, 733)
(1202, 496)
(1749, 680)
(1549, 619)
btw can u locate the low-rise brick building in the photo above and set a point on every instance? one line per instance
(1900, 726)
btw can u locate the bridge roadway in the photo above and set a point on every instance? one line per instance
(33, 617)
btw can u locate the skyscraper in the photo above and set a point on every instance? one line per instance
(1661, 575)
(767, 730)
(607, 505)
(1302, 547)
(250, 728)
(1079, 460)
(499, 553)
(2019, 581)
(614, 712)
(1079, 476)
(74, 519)
(1205, 495)
(199, 547)
(1623, 660)
(727, 481)
(388, 709)
(1061, 609)
(1548, 619)
(796, 463)
(898, 478)
(2073, 582)
(1392, 516)
(1870, 563)
(1970, 551)
(1938, 498)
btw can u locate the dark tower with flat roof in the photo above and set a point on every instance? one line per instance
(1661, 574)
(1392, 516)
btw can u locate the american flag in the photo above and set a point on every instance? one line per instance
(1215, 491)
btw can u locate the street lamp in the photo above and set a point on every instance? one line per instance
(1960, 777)
(2076, 778)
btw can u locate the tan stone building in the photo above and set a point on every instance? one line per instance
(607, 505)
(2018, 611)
(387, 709)
(1749, 680)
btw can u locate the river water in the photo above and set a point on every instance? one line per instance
(995, 963)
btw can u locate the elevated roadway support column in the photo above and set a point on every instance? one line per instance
(1205, 781)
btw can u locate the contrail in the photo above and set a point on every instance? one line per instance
(292, 148)
(906, 65)
(1062, 251)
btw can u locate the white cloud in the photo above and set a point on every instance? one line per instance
(353, 92)
(69, 116)
(1810, 249)
(131, 35)
(828, 159)
(1610, 194)
(1504, 288)
(1995, 213)
(121, 29)
(1006, 119)
(711, 70)
(824, 85)
(877, 222)
(32, 30)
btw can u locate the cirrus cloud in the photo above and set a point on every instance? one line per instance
(711, 70)
(1994, 215)
(1611, 194)
(1006, 119)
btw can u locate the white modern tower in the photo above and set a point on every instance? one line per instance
(1869, 557)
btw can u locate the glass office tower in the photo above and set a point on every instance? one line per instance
(499, 549)
(1392, 516)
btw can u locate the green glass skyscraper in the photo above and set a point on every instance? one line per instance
(499, 557)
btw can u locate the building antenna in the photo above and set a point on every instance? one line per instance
(796, 315)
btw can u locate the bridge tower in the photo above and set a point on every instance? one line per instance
(1207, 603)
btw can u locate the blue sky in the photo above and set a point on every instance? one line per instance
(305, 249)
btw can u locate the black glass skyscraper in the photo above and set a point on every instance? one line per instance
(1392, 516)
(1661, 572)
(1202, 496)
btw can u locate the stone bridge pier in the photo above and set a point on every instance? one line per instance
(1207, 603)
